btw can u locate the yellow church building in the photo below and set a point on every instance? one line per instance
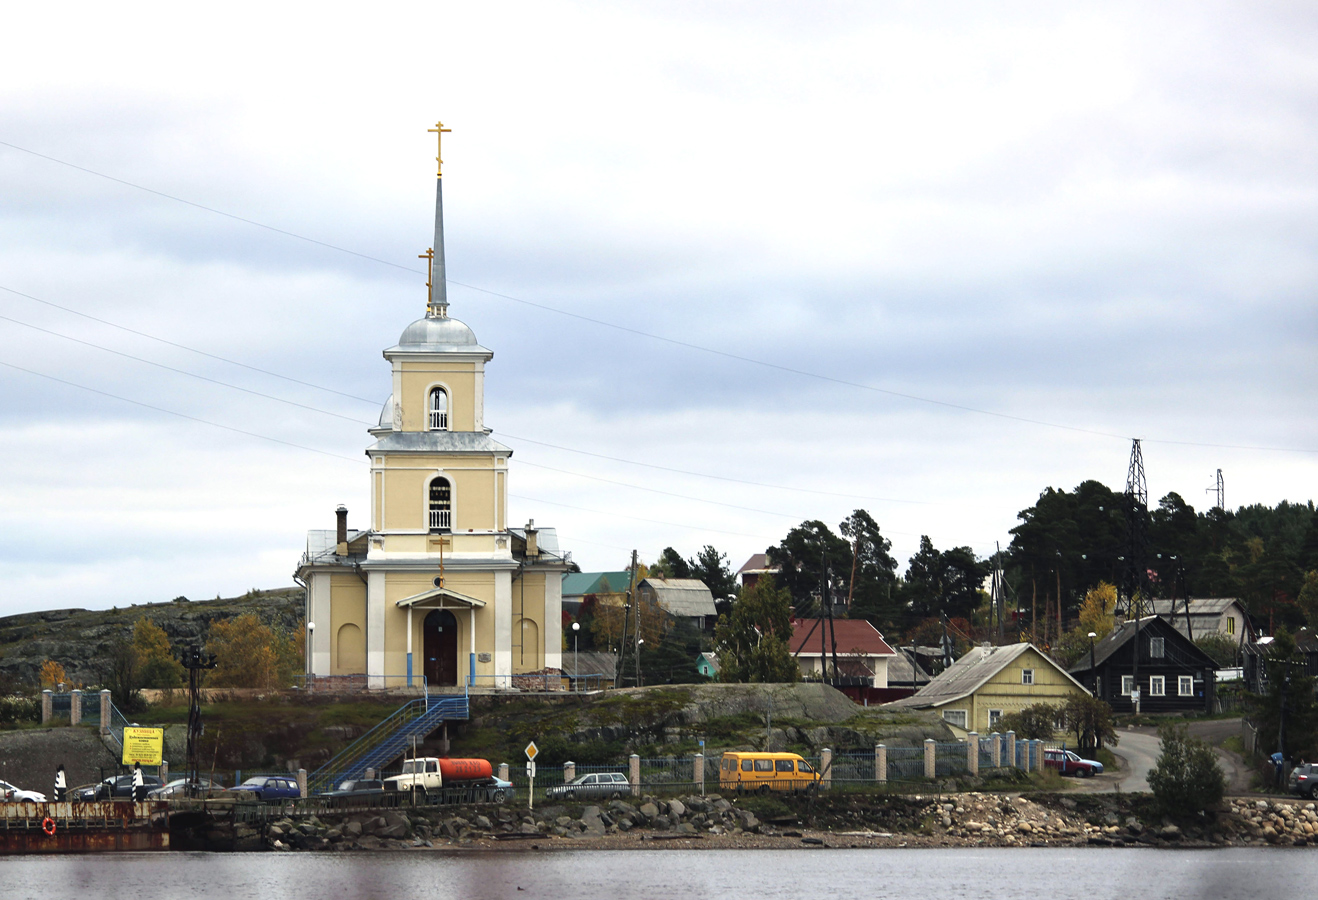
(440, 590)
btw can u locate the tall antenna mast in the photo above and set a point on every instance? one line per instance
(1220, 487)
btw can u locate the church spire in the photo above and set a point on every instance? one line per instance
(437, 305)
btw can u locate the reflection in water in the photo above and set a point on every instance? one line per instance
(990, 874)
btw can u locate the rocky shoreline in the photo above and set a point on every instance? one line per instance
(856, 821)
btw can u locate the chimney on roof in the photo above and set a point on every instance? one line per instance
(532, 540)
(341, 533)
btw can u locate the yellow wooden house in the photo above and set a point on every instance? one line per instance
(987, 683)
(439, 589)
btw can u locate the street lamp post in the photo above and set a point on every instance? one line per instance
(640, 679)
(576, 685)
(1093, 671)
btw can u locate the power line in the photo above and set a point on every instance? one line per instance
(171, 412)
(686, 525)
(152, 337)
(651, 335)
(215, 381)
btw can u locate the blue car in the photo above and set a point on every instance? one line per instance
(270, 787)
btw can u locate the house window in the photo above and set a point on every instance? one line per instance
(955, 717)
(1156, 648)
(1230, 625)
(1027, 676)
(438, 409)
(1185, 685)
(1157, 686)
(1127, 685)
(995, 716)
(441, 505)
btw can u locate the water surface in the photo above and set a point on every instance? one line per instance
(963, 874)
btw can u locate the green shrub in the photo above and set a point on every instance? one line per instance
(17, 710)
(1187, 778)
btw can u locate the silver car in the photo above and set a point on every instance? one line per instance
(18, 795)
(596, 785)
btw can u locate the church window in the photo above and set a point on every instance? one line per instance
(441, 505)
(438, 409)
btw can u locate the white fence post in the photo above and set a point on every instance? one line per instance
(880, 763)
(635, 773)
(1011, 750)
(825, 768)
(972, 752)
(995, 749)
(569, 772)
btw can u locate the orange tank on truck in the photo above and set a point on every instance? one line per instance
(456, 770)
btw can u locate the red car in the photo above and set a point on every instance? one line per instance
(1068, 763)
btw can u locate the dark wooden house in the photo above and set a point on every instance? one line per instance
(1174, 674)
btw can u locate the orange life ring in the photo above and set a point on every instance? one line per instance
(48, 826)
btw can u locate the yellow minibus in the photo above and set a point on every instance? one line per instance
(764, 772)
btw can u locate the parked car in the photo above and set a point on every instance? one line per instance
(18, 795)
(182, 787)
(116, 787)
(765, 772)
(597, 784)
(1303, 780)
(1068, 763)
(501, 790)
(269, 787)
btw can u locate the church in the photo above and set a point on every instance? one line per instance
(440, 591)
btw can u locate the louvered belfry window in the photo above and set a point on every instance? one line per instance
(438, 410)
(441, 505)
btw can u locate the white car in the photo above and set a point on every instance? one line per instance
(17, 795)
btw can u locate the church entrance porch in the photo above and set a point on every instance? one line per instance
(440, 648)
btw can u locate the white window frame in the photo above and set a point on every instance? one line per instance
(437, 419)
(1185, 685)
(994, 717)
(441, 519)
(950, 716)
(1157, 685)
(1127, 685)
(1157, 648)
(1027, 676)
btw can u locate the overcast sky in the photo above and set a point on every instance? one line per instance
(1099, 218)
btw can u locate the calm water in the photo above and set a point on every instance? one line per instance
(669, 874)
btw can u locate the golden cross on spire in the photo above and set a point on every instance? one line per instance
(430, 274)
(439, 131)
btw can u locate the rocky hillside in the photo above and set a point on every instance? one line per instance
(81, 639)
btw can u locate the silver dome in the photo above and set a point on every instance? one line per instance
(437, 331)
(387, 414)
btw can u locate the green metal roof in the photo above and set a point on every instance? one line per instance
(575, 584)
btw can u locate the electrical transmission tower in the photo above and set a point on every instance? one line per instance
(1135, 571)
(1221, 492)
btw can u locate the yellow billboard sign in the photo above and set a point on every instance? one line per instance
(144, 745)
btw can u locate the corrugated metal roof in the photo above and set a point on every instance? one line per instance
(577, 584)
(685, 597)
(589, 662)
(1199, 606)
(758, 562)
(969, 673)
(854, 637)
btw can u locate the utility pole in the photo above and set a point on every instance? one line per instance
(626, 616)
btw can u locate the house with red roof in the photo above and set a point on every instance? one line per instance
(862, 653)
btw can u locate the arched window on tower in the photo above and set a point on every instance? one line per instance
(438, 409)
(441, 505)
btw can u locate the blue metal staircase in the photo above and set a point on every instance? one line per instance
(389, 740)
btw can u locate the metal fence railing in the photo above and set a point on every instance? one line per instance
(950, 759)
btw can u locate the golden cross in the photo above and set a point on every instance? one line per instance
(430, 273)
(439, 131)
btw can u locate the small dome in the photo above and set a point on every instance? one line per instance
(434, 330)
(387, 414)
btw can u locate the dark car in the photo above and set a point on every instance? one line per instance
(1068, 763)
(269, 787)
(1303, 780)
(116, 787)
(595, 785)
